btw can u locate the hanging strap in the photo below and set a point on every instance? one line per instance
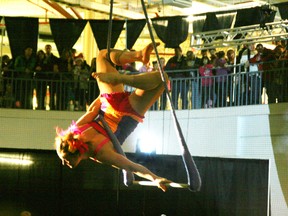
(193, 176)
(96, 126)
(128, 176)
(110, 26)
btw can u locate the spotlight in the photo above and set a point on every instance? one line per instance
(146, 146)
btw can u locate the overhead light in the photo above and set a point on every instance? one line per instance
(7, 159)
(146, 145)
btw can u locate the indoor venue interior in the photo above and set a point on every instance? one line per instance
(206, 80)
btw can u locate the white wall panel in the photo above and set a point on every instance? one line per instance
(238, 132)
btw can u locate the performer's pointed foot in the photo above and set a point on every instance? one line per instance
(146, 52)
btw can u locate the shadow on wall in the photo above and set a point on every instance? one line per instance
(279, 138)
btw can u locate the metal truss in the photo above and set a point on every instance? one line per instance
(236, 36)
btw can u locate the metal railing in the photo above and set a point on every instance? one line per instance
(64, 92)
(237, 88)
(56, 92)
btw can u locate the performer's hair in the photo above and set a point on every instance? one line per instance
(68, 141)
(64, 143)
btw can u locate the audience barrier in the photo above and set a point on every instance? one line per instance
(64, 92)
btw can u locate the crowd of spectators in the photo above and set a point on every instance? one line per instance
(214, 78)
(219, 78)
(66, 78)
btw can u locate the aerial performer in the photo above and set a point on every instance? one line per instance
(122, 111)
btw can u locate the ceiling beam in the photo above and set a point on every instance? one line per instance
(102, 8)
(58, 8)
(78, 15)
(248, 35)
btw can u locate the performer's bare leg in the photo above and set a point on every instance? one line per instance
(149, 86)
(117, 57)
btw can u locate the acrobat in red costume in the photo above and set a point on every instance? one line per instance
(121, 110)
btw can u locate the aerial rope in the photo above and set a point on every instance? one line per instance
(128, 177)
(193, 176)
(109, 35)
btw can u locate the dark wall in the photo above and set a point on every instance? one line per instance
(230, 187)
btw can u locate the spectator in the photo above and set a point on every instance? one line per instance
(65, 95)
(221, 79)
(213, 56)
(285, 75)
(93, 65)
(264, 59)
(190, 64)
(230, 83)
(207, 83)
(81, 76)
(5, 75)
(73, 54)
(174, 67)
(154, 68)
(279, 76)
(146, 67)
(51, 66)
(50, 63)
(39, 66)
(24, 66)
(242, 78)
(198, 60)
(8, 99)
(65, 63)
(130, 68)
(93, 85)
(231, 57)
(6, 66)
(41, 78)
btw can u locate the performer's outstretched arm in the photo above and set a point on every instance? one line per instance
(116, 160)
